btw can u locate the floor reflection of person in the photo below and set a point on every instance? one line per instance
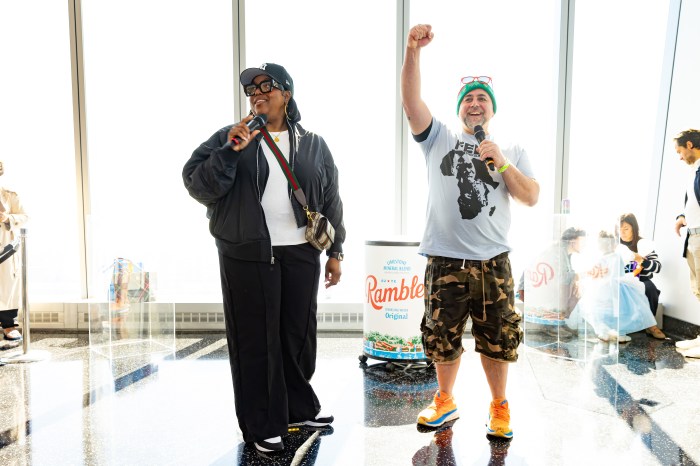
(654, 355)
(499, 452)
(439, 452)
(12, 218)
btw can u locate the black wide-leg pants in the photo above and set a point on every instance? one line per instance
(270, 312)
(8, 318)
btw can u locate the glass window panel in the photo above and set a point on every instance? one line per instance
(683, 114)
(497, 40)
(683, 111)
(615, 99)
(346, 95)
(36, 141)
(158, 80)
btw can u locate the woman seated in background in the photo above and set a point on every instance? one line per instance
(643, 262)
(605, 283)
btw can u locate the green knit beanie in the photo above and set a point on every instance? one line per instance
(476, 85)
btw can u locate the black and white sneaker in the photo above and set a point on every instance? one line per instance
(321, 420)
(270, 445)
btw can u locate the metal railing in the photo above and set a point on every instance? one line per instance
(26, 355)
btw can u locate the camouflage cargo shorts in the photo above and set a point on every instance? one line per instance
(456, 289)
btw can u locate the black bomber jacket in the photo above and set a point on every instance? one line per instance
(231, 184)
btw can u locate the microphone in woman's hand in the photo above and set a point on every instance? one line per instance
(256, 123)
(480, 135)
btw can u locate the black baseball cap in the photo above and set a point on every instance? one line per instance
(276, 72)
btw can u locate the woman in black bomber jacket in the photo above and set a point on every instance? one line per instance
(269, 272)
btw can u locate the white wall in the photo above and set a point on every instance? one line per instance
(684, 113)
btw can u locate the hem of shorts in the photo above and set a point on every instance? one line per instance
(496, 359)
(449, 362)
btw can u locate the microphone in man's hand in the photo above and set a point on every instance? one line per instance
(256, 123)
(480, 135)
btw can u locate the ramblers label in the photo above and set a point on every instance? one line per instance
(394, 306)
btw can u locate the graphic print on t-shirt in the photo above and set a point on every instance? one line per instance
(473, 179)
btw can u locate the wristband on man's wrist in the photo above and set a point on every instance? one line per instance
(504, 167)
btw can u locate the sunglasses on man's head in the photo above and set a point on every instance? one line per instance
(265, 87)
(482, 79)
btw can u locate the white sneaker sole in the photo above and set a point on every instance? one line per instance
(265, 450)
(690, 353)
(688, 344)
(313, 423)
(316, 424)
(453, 415)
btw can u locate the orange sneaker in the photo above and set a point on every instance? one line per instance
(499, 419)
(441, 410)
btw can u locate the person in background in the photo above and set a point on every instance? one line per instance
(571, 242)
(468, 272)
(608, 284)
(269, 272)
(688, 148)
(642, 262)
(12, 218)
(552, 298)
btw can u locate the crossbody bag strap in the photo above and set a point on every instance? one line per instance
(291, 177)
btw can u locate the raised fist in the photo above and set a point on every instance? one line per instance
(420, 36)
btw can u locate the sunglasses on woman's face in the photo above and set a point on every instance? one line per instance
(265, 87)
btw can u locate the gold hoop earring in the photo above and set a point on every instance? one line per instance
(285, 110)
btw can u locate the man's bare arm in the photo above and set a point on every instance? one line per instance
(417, 112)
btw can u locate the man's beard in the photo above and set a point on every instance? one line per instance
(468, 123)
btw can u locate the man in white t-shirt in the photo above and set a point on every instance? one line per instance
(471, 180)
(688, 148)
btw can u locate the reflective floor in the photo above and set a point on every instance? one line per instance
(640, 406)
